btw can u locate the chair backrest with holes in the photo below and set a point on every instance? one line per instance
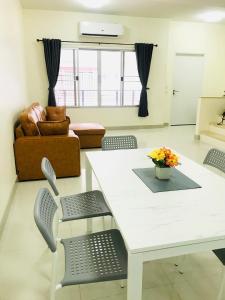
(119, 142)
(44, 212)
(216, 159)
(49, 174)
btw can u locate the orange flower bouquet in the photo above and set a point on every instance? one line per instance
(164, 159)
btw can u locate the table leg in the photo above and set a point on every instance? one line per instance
(88, 175)
(88, 172)
(135, 274)
(222, 287)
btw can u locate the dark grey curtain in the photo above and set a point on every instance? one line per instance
(144, 57)
(52, 50)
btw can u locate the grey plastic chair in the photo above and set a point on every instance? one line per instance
(96, 257)
(216, 159)
(220, 253)
(119, 142)
(79, 206)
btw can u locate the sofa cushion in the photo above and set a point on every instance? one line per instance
(28, 120)
(39, 111)
(56, 113)
(53, 127)
(87, 128)
(19, 132)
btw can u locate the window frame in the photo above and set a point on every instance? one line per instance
(76, 78)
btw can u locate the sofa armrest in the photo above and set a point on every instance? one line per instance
(68, 118)
(63, 151)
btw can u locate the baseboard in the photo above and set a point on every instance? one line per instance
(176, 125)
(7, 209)
(136, 127)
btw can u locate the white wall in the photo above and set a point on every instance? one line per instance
(13, 91)
(209, 110)
(64, 25)
(208, 39)
(200, 38)
(172, 37)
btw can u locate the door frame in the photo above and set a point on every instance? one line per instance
(179, 53)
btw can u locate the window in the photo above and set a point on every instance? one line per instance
(90, 78)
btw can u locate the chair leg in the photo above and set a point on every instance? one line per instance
(122, 284)
(222, 286)
(112, 222)
(180, 261)
(53, 281)
(89, 225)
(103, 223)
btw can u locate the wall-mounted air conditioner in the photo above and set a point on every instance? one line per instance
(101, 29)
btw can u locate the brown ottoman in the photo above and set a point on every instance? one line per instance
(90, 134)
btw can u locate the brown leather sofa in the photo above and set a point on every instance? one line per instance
(39, 135)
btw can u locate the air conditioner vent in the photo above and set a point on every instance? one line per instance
(101, 29)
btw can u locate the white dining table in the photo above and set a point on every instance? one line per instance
(158, 225)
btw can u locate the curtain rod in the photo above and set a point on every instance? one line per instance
(99, 43)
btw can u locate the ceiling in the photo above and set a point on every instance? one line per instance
(174, 9)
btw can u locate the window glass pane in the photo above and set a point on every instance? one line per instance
(88, 78)
(132, 85)
(110, 78)
(86, 63)
(64, 89)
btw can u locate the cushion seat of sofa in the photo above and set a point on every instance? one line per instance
(90, 134)
(87, 128)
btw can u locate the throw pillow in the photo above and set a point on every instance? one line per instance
(39, 111)
(56, 113)
(28, 120)
(53, 127)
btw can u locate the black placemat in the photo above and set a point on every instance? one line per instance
(177, 181)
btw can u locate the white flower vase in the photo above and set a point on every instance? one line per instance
(162, 173)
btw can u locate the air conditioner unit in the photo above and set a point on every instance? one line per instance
(101, 29)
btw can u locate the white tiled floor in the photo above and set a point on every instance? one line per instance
(25, 261)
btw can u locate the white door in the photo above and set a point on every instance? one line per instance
(187, 88)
